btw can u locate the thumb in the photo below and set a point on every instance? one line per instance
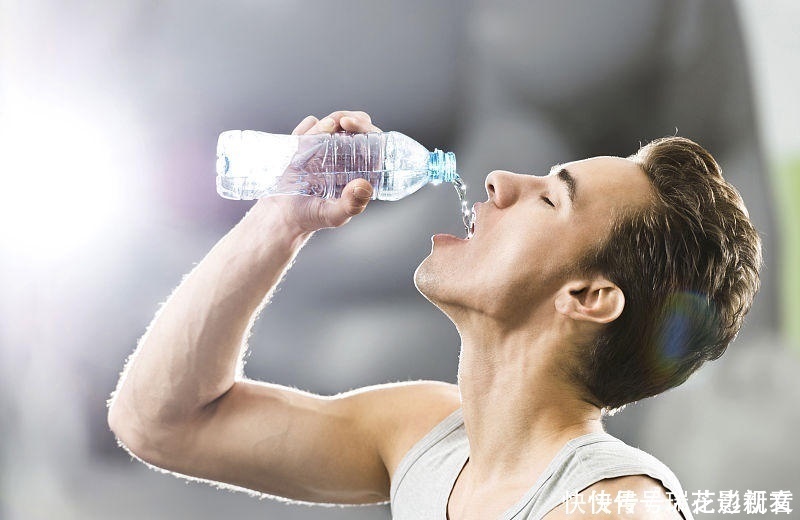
(355, 197)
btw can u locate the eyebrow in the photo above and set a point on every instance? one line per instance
(567, 178)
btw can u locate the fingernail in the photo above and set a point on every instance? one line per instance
(361, 193)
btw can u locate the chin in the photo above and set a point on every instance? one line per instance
(435, 283)
(425, 280)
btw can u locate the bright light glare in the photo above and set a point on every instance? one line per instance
(59, 184)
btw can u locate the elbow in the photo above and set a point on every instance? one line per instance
(120, 420)
(154, 450)
(128, 436)
(145, 441)
(114, 420)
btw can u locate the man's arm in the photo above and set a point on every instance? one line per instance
(300, 446)
(179, 404)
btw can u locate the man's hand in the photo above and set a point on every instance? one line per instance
(307, 214)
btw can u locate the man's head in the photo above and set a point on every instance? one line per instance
(646, 264)
(688, 265)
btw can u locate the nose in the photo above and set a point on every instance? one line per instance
(502, 188)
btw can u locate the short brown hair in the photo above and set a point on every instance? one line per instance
(688, 265)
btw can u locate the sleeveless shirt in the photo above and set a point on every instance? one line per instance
(423, 480)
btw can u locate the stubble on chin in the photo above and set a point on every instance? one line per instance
(425, 280)
(437, 287)
(434, 283)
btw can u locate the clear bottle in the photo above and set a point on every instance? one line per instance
(252, 164)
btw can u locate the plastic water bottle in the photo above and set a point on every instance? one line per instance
(252, 164)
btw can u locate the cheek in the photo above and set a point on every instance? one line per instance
(532, 260)
(534, 244)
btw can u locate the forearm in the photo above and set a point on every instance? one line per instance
(189, 354)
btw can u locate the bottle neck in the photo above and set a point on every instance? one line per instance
(442, 166)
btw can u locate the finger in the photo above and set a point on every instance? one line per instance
(358, 115)
(355, 197)
(336, 116)
(304, 125)
(326, 125)
(357, 125)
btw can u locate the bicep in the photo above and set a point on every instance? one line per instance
(282, 442)
(292, 444)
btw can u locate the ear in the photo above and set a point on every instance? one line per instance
(596, 300)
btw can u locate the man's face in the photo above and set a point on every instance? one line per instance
(528, 235)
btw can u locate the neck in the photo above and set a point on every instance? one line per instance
(519, 407)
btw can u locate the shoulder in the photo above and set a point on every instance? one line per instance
(397, 415)
(632, 497)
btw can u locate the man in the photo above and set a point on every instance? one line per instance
(607, 281)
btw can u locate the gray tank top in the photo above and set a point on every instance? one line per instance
(422, 482)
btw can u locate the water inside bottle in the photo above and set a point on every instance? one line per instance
(466, 212)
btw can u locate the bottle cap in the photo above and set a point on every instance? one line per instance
(442, 166)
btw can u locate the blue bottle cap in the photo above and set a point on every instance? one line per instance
(442, 166)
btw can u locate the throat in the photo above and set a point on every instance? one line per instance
(518, 410)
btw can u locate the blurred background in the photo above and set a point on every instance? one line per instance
(109, 115)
